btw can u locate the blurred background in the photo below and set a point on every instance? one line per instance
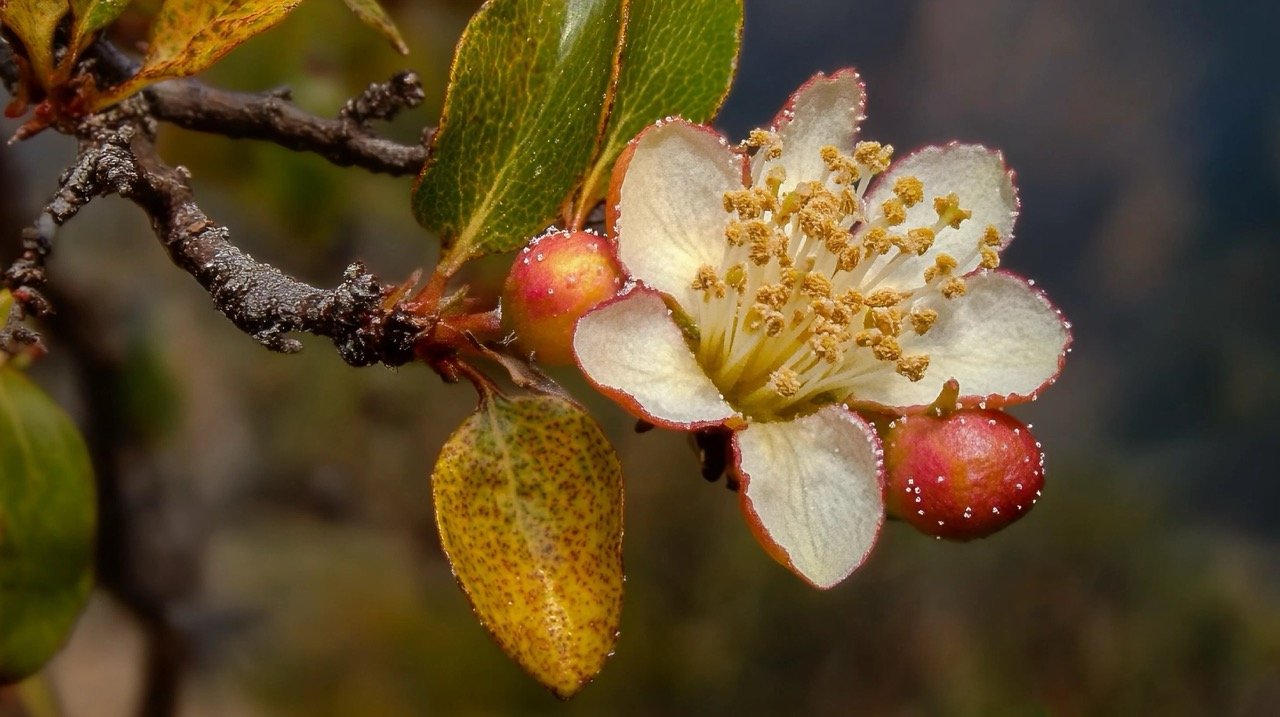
(284, 531)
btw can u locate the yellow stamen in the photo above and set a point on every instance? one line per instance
(991, 237)
(877, 241)
(873, 155)
(887, 321)
(954, 287)
(768, 141)
(918, 241)
(774, 296)
(990, 259)
(943, 265)
(910, 190)
(894, 211)
(923, 319)
(883, 297)
(785, 382)
(816, 285)
(913, 367)
(887, 349)
(949, 211)
(736, 233)
(708, 283)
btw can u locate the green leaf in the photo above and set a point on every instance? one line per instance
(678, 58)
(91, 16)
(372, 14)
(46, 526)
(522, 115)
(528, 498)
(188, 36)
(33, 22)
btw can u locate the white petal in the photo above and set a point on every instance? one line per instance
(632, 351)
(669, 216)
(985, 186)
(826, 110)
(1003, 341)
(813, 491)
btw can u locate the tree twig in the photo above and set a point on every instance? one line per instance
(271, 117)
(346, 141)
(258, 298)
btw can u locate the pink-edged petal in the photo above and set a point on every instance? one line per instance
(666, 204)
(1003, 341)
(826, 110)
(631, 349)
(812, 491)
(984, 184)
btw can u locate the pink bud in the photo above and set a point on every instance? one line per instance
(556, 279)
(964, 475)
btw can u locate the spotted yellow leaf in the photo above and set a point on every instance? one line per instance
(528, 497)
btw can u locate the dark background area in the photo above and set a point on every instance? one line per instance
(285, 517)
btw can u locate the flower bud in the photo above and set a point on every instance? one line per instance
(964, 475)
(556, 279)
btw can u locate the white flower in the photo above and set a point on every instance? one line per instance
(777, 291)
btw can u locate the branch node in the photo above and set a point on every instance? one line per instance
(384, 100)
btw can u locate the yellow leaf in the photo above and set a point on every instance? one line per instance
(188, 36)
(33, 22)
(528, 498)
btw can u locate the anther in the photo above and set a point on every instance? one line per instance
(918, 241)
(873, 155)
(922, 320)
(894, 211)
(774, 296)
(913, 367)
(877, 241)
(953, 287)
(867, 337)
(736, 233)
(766, 140)
(990, 259)
(887, 349)
(785, 382)
(949, 211)
(842, 166)
(882, 297)
(910, 190)
(887, 321)
(990, 237)
(816, 285)
(707, 282)
(851, 300)
(943, 265)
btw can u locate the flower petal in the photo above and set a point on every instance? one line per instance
(812, 491)
(978, 176)
(632, 351)
(826, 110)
(1003, 341)
(666, 205)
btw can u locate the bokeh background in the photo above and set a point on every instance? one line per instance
(283, 521)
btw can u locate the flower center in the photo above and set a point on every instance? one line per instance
(798, 309)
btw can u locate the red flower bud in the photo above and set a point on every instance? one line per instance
(556, 279)
(964, 475)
